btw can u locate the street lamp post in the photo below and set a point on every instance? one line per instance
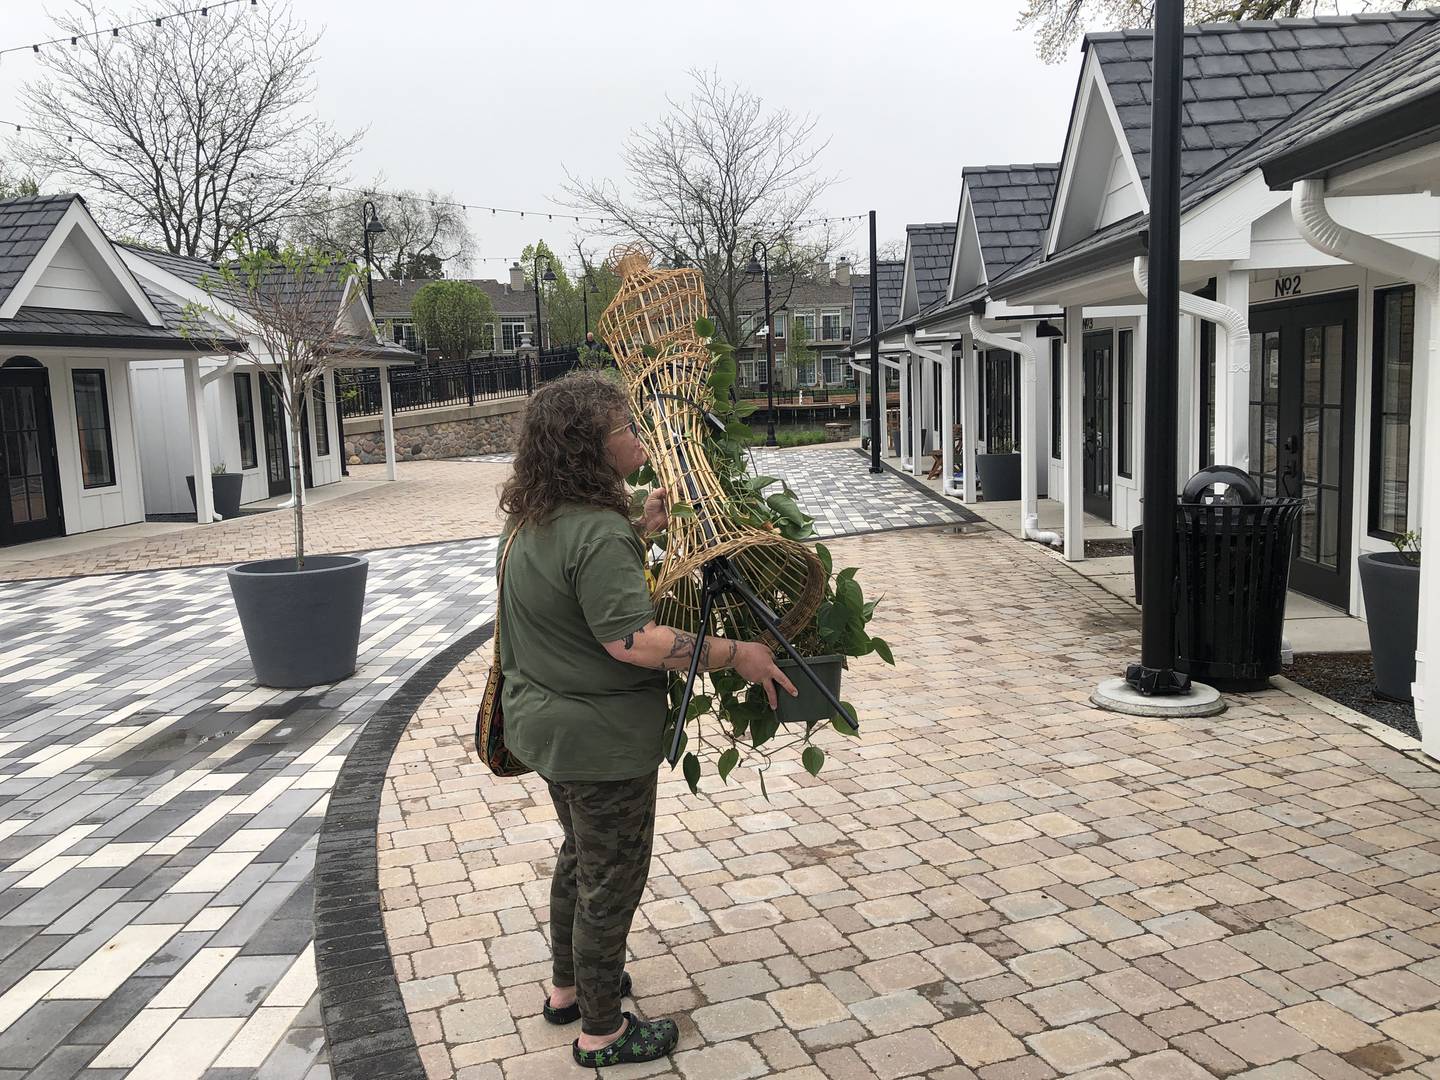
(760, 264)
(373, 228)
(549, 276)
(586, 288)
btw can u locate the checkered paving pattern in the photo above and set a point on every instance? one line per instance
(159, 816)
(490, 459)
(835, 485)
(998, 881)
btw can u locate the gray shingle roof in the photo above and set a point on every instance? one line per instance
(1011, 204)
(1240, 78)
(392, 298)
(25, 225)
(1401, 78)
(929, 249)
(892, 279)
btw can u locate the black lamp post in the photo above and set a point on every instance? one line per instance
(586, 288)
(760, 264)
(549, 276)
(373, 228)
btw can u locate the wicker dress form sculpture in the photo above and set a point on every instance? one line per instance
(650, 330)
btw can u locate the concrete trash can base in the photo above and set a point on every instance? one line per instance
(302, 627)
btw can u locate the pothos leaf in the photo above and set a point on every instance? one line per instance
(699, 704)
(682, 510)
(728, 760)
(826, 560)
(845, 725)
(691, 765)
(881, 646)
(813, 759)
(762, 786)
(763, 726)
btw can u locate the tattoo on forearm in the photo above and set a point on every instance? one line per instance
(682, 650)
(629, 641)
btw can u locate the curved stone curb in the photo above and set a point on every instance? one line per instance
(367, 1031)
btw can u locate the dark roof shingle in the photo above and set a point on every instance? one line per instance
(1011, 204)
(892, 279)
(929, 248)
(25, 225)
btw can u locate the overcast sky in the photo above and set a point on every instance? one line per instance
(492, 102)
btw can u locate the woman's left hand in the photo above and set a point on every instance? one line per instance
(656, 515)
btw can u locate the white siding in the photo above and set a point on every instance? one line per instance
(1120, 199)
(75, 282)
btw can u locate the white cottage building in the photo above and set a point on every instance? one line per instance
(100, 383)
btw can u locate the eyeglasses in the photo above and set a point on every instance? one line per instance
(629, 426)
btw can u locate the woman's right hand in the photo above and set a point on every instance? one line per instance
(755, 663)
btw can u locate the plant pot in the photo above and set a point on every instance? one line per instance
(1391, 587)
(224, 493)
(999, 476)
(302, 627)
(809, 705)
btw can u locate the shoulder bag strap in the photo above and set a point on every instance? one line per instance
(500, 585)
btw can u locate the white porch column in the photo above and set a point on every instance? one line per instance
(904, 409)
(387, 423)
(919, 402)
(199, 441)
(860, 380)
(1232, 375)
(1070, 433)
(1426, 688)
(946, 433)
(970, 407)
(1033, 453)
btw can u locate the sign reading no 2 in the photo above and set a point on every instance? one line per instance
(1287, 286)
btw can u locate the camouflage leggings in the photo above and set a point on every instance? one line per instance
(599, 877)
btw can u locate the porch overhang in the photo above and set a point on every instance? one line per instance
(1094, 272)
(1388, 136)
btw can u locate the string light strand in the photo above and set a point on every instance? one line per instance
(114, 31)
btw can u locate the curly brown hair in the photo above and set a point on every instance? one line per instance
(561, 458)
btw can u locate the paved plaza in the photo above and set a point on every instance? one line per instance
(996, 881)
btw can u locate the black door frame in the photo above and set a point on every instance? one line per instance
(1097, 421)
(1290, 318)
(36, 378)
(275, 436)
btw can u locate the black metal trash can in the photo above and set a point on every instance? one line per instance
(1232, 574)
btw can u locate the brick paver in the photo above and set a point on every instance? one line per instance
(997, 881)
(432, 501)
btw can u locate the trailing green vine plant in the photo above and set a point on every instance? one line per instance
(731, 724)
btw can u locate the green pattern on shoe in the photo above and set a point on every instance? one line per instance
(644, 1040)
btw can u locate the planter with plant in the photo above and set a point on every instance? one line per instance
(729, 723)
(301, 614)
(224, 491)
(999, 472)
(1390, 582)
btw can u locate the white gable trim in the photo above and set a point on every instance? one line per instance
(966, 231)
(77, 217)
(1092, 85)
(909, 292)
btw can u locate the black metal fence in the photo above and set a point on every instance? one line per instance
(435, 383)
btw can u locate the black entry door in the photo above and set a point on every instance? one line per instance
(1302, 430)
(277, 445)
(1096, 425)
(30, 502)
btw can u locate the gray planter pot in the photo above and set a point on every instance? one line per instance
(999, 476)
(809, 705)
(224, 493)
(1391, 587)
(302, 627)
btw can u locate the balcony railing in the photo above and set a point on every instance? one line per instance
(433, 384)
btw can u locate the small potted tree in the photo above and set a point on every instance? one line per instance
(224, 491)
(1390, 582)
(999, 472)
(301, 614)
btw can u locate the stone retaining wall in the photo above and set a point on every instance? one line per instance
(487, 427)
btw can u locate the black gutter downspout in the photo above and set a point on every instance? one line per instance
(1155, 674)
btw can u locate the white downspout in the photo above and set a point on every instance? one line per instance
(1235, 323)
(1029, 504)
(1326, 235)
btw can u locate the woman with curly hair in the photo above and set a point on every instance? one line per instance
(584, 691)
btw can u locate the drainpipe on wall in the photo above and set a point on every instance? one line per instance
(1326, 235)
(1029, 499)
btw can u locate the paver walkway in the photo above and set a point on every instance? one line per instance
(997, 881)
(432, 501)
(159, 815)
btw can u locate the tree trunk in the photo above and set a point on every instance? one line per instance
(297, 480)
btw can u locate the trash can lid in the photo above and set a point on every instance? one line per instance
(1240, 486)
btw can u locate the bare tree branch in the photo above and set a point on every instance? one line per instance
(189, 133)
(717, 173)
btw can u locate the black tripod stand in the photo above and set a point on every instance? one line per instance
(718, 577)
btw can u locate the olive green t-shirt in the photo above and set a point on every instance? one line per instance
(572, 711)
